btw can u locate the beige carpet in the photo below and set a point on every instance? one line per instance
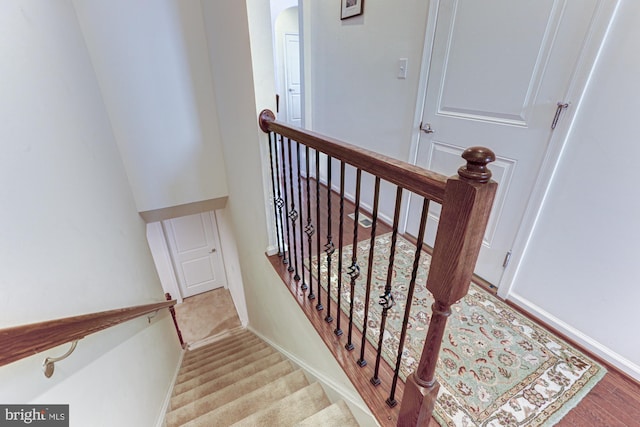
(206, 315)
(239, 380)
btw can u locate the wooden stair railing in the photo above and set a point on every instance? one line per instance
(465, 200)
(23, 341)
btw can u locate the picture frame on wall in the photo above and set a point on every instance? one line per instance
(351, 8)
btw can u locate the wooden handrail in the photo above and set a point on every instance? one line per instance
(23, 341)
(413, 178)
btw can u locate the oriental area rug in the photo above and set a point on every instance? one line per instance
(496, 367)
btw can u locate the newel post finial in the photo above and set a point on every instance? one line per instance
(264, 118)
(477, 160)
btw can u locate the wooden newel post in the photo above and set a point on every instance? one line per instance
(465, 211)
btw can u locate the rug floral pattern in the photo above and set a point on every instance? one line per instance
(496, 367)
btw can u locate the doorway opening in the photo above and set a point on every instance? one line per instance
(287, 60)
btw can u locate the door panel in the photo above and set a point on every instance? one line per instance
(194, 245)
(498, 69)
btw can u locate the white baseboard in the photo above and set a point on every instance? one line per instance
(352, 399)
(167, 399)
(587, 342)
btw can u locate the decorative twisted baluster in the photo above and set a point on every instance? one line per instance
(309, 229)
(354, 269)
(286, 203)
(304, 282)
(391, 401)
(319, 305)
(329, 248)
(372, 244)
(293, 216)
(338, 330)
(386, 300)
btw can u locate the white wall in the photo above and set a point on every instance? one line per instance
(71, 241)
(353, 91)
(271, 308)
(580, 268)
(151, 60)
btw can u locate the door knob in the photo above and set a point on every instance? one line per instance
(426, 128)
(212, 250)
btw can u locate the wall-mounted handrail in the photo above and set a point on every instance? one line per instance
(23, 341)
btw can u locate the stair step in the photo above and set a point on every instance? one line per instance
(220, 336)
(337, 414)
(214, 363)
(289, 410)
(224, 339)
(188, 395)
(204, 375)
(210, 396)
(251, 402)
(225, 350)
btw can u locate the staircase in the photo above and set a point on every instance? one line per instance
(240, 380)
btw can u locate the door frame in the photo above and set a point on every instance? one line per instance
(585, 65)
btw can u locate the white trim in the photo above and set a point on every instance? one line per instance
(351, 398)
(231, 262)
(584, 340)
(162, 260)
(167, 400)
(425, 65)
(598, 31)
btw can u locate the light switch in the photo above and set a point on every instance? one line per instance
(402, 68)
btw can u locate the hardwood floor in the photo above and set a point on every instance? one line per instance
(614, 401)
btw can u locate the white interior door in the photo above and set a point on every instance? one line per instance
(498, 69)
(195, 250)
(292, 78)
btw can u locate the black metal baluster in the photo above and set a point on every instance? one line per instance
(338, 330)
(275, 195)
(386, 300)
(329, 248)
(280, 201)
(319, 303)
(374, 221)
(354, 268)
(391, 401)
(304, 282)
(293, 216)
(286, 203)
(309, 229)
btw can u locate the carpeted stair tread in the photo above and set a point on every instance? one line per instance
(228, 338)
(265, 366)
(206, 398)
(289, 410)
(204, 375)
(335, 415)
(222, 351)
(205, 350)
(223, 354)
(251, 354)
(251, 402)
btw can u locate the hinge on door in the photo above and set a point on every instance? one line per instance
(507, 258)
